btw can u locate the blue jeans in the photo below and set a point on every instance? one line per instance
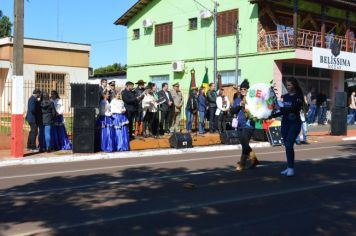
(201, 122)
(322, 115)
(290, 130)
(189, 117)
(45, 137)
(304, 133)
(311, 114)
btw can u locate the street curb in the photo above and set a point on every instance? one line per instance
(349, 139)
(121, 155)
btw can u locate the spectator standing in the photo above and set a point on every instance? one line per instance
(139, 92)
(202, 108)
(321, 107)
(223, 106)
(121, 137)
(166, 109)
(312, 112)
(352, 105)
(211, 97)
(33, 117)
(178, 103)
(191, 109)
(48, 115)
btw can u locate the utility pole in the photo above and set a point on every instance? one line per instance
(215, 41)
(17, 81)
(237, 53)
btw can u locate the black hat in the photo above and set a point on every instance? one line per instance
(140, 82)
(245, 84)
(112, 82)
(36, 91)
(129, 83)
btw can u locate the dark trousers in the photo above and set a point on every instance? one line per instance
(139, 116)
(290, 131)
(152, 119)
(164, 123)
(31, 141)
(212, 122)
(245, 135)
(221, 122)
(131, 116)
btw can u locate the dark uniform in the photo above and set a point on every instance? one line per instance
(131, 104)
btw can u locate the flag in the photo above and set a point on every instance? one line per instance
(205, 82)
(192, 80)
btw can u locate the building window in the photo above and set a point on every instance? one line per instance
(227, 22)
(159, 80)
(136, 33)
(228, 77)
(163, 34)
(193, 23)
(48, 81)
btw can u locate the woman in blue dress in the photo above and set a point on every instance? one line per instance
(59, 139)
(105, 124)
(121, 139)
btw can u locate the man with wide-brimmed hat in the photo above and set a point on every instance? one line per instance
(140, 89)
(178, 103)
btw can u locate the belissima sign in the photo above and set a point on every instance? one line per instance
(334, 59)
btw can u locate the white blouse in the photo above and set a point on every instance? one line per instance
(149, 103)
(58, 104)
(104, 109)
(117, 106)
(221, 106)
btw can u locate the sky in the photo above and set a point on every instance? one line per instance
(78, 21)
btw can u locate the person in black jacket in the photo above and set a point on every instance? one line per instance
(211, 97)
(139, 116)
(48, 116)
(33, 117)
(131, 102)
(166, 109)
(191, 109)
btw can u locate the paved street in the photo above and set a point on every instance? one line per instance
(189, 194)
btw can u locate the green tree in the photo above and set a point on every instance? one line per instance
(116, 67)
(5, 26)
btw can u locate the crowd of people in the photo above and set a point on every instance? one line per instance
(45, 118)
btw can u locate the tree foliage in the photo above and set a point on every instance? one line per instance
(116, 67)
(5, 26)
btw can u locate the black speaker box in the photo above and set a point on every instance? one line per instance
(84, 95)
(85, 140)
(339, 121)
(180, 140)
(92, 95)
(340, 99)
(229, 137)
(260, 135)
(77, 94)
(84, 118)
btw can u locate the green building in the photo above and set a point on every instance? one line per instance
(278, 39)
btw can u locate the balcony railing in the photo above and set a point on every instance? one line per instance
(283, 39)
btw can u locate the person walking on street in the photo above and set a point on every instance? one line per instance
(211, 96)
(291, 121)
(178, 103)
(166, 109)
(33, 117)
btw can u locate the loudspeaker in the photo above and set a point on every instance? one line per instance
(84, 95)
(260, 135)
(77, 95)
(229, 137)
(339, 121)
(84, 118)
(274, 136)
(92, 95)
(340, 99)
(179, 140)
(85, 140)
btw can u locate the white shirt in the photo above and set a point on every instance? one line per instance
(221, 106)
(104, 109)
(149, 103)
(117, 106)
(58, 104)
(352, 102)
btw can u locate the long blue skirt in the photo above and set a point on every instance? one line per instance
(121, 133)
(60, 140)
(105, 124)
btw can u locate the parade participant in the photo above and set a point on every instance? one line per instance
(202, 107)
(291, 122)
(178, 103)
(139, 118)
(245, 129)
(105, 123)
(48, 115)
(223, 106)
(121, 137)
(191, 108)
(33, 117)
(60, 140)
(131, 102)
(211, 96)
(165, 109)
